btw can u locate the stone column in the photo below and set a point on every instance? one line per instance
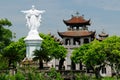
(31, 46)
(89, 39)
(77, 66)
(82, 41)
(71, 41)
(68, 60)
(64, 39)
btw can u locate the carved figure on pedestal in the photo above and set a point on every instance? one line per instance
(33, 17)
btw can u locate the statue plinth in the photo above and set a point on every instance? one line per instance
(33, 35)
(32, 45)
(33, 42)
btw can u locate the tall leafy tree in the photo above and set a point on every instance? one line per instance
(92, 55)
(50, 49)
(53, 47)
(112, 50)
(98, 54)
(5, 34)
(41, 55)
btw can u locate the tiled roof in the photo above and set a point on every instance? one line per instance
(103, 35)
(81, 33)
(77, 20)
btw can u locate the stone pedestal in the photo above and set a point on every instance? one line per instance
(33, 42)
(31, 45)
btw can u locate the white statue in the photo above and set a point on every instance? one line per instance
(33, 18)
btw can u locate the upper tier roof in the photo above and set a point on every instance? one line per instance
(82, 33)
(77, 20)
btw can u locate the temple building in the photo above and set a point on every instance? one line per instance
(77, 34)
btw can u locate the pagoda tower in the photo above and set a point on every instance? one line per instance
(77, 34)
(102, 36)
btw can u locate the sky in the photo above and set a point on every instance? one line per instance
(104, 14)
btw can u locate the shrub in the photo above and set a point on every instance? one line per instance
(19, 76)
(82, 76)
(3, 77)
(54, 75)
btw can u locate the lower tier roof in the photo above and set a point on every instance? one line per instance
(81, 33)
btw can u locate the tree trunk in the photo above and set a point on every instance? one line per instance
(117, 71)
(81, 66)
(9, 64)
(61, 63)
(73, 65)
(40, 64)
(97, 73)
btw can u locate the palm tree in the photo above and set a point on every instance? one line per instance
(11, 55)
(14, 52)
(41, 55)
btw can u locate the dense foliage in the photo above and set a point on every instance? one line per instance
(15, 52)
(98, 54)
(5, 34)
(32, 75)
(53, 47)
(49, 49)
(5, 40)
(112, 50)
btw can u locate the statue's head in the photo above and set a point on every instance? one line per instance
(33, 7)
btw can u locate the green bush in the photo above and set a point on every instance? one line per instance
(3, 77)
(40, 76)
(19, 76)
(109, 78)
(3, 63)
(82, 76)
(54, 75)
(31, 74)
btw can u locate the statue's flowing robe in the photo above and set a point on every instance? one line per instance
(33, 18)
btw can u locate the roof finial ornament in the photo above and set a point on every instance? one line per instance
(77, 13)
(103, 31)
(83, 15)
(33, 7)
(72, 16)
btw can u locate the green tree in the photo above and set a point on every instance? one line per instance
(98, 54)
(112, 50)
(54, 75)
(41, 55)
(3, 63)
(50, 49)
(92, 55)
(5, 34)
(14, 52)
(53, 47)
(5, 40)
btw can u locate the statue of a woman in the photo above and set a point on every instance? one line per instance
(33, 18)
